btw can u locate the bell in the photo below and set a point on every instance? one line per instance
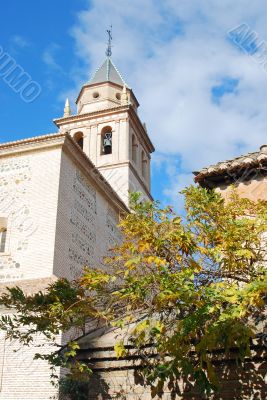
(107, 143)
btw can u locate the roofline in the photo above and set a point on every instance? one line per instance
(34, 139)
(232, 174)
(64, 140)
(238, 168)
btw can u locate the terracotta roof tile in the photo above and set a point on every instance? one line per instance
(257, 158)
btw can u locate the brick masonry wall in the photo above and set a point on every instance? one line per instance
(58, 222)
(22, 377)
(86, 222)
(28, 199)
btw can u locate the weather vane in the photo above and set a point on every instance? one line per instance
(108, 51)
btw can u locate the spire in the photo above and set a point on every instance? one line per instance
(108, 72)
(67, 109)
(109, 51)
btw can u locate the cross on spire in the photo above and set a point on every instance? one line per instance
(109, 51)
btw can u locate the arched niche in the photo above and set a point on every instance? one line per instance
(134, 148)
(144, 164)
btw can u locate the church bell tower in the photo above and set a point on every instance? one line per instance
(108, 129)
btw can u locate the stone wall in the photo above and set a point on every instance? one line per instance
(121, 379)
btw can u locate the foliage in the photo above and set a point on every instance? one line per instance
(73, 388)
(186, 286)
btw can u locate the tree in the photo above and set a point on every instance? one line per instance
(189, 285)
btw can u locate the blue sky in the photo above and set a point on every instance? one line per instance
(28, 30)
(202, 96)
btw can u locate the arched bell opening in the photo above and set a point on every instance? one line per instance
(106, 140)
(78, 137)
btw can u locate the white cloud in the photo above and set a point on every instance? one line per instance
(49, 57)
(172, 54)
(19, 41)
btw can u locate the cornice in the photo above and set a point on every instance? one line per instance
(128, 108)
(81, 117)
(88, 85)
(32, 139)
(31, 144)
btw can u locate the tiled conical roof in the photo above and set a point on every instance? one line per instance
(107, 72)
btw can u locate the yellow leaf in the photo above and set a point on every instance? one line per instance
(120, 350)
(143, 246)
